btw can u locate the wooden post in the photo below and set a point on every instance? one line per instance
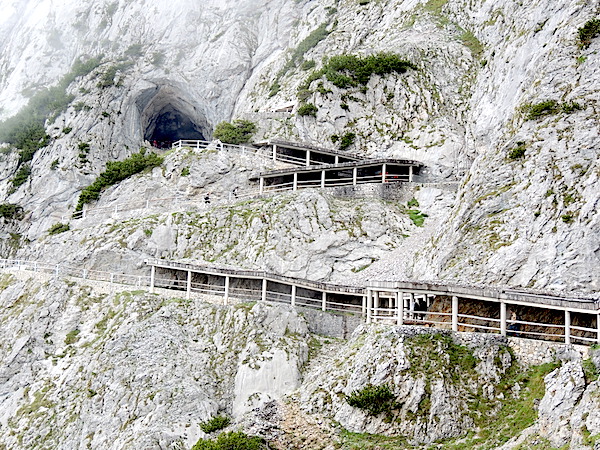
(324, 301)
(188, 288)
(264, 290)
(274, 152)
(503, 318)
(226, 298)
(295, 181)
(567, 327)
(400, 308)
(383, 170)
(375, 304)
(410, 174)
(354, 176)
(293, 301)
(363, 311)
(454, 313)
(323, 178)
(411, 306)
(152, 275)
(261, 185)
(369, 305)
(307, 158)
(337, 159)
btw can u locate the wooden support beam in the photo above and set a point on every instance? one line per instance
(293, 300)
(383, 170)
(188, 289)
(324, 301)
(152, 275)
(400, 308)
(411, 306)
(375, 304)
(410, 174)
(295, 181)
(454, 313)
(363, 310)
(369, 305)
(567, 326)
(354, 176)
(261, 185)
(226, 297)
(323, 178)
(274, 152)
(264, 290)
(503, 318)
(307, 158)
(337, 159)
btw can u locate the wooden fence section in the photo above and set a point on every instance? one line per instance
(456, 307)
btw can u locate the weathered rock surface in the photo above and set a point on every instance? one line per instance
(133, 370)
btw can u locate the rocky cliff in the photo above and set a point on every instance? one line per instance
(526, 220)
(85, 365)
(498, 99)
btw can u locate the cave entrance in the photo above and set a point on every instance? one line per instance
(167, 116)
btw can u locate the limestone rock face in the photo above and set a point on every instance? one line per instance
(133, 370)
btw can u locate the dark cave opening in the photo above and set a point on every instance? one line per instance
(169, 125)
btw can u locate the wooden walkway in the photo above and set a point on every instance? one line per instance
(403, 302)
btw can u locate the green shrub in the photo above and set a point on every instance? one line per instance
(308, 109)
(11, 211)
(586, 33)
(545, 108)
(373, 399)
(308, 64)
(234, 440)
(346, 140)
(215, 424)
(58, 228)
(568, 108)
(567, 218)
(72, 337)
(275, 88)
(117, 171)
(518, 152)
(185, 171)
(345, 71)
(237, 132)
(21, 176)
(67, 130)
(54, 164)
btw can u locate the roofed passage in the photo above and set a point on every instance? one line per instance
(306, 154)
(342, 174)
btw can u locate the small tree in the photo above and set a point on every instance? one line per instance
(237, 132)
(308, 109)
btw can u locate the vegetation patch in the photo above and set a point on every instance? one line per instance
(417, 217)
(518, 152)
(346, 71)
(297, 56)
(117, 171)
(587, 32)
(11, 211)
(58, 228)
(237, 132)
(548, 107)
(346, 140)
(308, 109)
(373, 399)
(234, 440)
(215, 424)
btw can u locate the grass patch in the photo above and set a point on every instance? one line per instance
(417, 217)
(234, 440)
(215, 424)
(518, 152)
(115, 172)
(58, 228)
